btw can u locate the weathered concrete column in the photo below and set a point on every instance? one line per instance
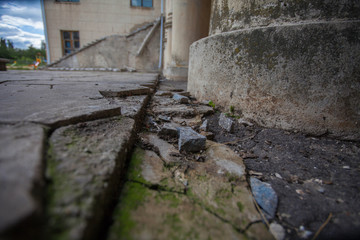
(285, 64)
(190, 22)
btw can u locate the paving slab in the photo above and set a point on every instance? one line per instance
(59, 98)
(21, 163)
(85, 162)
(32, 101)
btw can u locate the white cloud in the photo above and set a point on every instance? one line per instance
(20, 22)
(26, 9)
(21, 38)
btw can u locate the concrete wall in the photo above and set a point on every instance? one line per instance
(301, 75)
(93, 19)
(230, 15)
(118, 51)
(186, 22)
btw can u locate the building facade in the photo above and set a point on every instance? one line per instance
(71, 24)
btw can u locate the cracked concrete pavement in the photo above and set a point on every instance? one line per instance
(66, 152)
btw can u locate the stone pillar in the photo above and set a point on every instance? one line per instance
(190, 22)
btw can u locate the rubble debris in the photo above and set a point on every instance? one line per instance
(226, 123)
(208, 135)
(168, 130)
(168, 153)
(204, 126)
(245, 122)
(181, 99)
(164, 118)
(127, 69)
(190, 141)
(163, 93)
(264, 195)
(277, 231)
(126, 92)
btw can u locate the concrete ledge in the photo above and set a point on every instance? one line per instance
(299, 76)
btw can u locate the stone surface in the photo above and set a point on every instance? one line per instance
(208, 135)
(84, 162)
(164, 93)
(35, 96)
(204, 126)
(216, 204)
(190, 141)
(226, 123)
(168, 130)
(21, 163)
(277, 230)
(230, 15)
(180, 99)
(264, 195)
(168, 153)
(295, 76)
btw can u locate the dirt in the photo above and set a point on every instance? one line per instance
(316, 178)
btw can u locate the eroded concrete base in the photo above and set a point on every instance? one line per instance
(296, 77)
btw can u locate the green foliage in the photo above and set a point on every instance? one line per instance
(232, 109)
(212, 104)
(21, 56)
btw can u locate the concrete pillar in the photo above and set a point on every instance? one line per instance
(190, 22)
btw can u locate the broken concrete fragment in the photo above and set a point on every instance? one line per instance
(245, 122)
(191, 122)
(226, 123)
(174, 110)
(181, 99)
(21, 155)
(164, 118)
(264, 195)
(168, 153)
(277, 230)
(128, 69)
(125, 92)
(190, 141)
(163, 93)
(186, 94)
(204, 126)
(168, 130)
(84, 163)
(152, 167)
(204, 110)
(208, 135)
(226, 160)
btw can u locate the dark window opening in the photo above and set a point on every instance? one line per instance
(70, 41)
(142, 3)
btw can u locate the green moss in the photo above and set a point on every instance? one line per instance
(135, 171)
(56, 190)
(133, 196)
(168, 198)
(240, 206)
(212, 104)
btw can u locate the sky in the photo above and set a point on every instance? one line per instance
(21, 22)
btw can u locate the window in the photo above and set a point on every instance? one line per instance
(142, 3)
(70, 41)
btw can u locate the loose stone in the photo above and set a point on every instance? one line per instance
(264, 195)
(204, 126)
(168, 130)
(208, 135)
(277, 230)
(181, 99)
(226, 123)
(164, 118)
(190, 141)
